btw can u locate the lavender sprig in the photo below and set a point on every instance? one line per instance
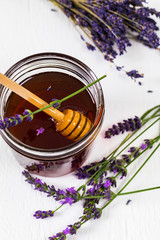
(125, 126)
(132, 124)
(96, 213)
(100, 188)
(101, 179)
(28, 114)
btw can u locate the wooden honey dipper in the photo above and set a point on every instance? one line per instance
(69, 123)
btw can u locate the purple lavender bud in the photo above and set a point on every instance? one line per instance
(72, 229)
(97, 213)
(2, 125)
(148, 142)
(129, 200)
(77, 225)
(66, 231)
(66, 3)
(132, 150)
(7, 123)
(19, 118)
(29, 115)
(43, 214)
(126, 158)
(113, 181)
(71, 190)
(12, 121)
(56, 104)
(90, 46)
(123, 173)
(68, 200)
(107, 184)
(58, 236)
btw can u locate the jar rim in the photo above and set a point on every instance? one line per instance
(56, 154)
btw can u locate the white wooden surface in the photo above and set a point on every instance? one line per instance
(28, 27)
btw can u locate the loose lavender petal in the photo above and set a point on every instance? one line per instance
(134, 74)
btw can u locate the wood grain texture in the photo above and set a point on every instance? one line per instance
(29, 27)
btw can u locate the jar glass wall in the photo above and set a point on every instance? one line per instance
(61, 161)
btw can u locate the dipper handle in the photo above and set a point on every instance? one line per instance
(71, 124)
(30, 97)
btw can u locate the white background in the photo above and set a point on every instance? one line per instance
(28, 27)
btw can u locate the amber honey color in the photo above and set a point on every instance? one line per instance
(47, 86)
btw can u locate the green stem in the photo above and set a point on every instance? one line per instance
(139, 191)
(82, 89)
(149, 111)
(58, 208)
(67, 97)
(125, 193)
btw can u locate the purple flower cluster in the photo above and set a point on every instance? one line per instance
(71, 229)
(69, 195)
(97, 187)
(112, 165)
(125, 126)
(43, 214)
(108, 22)
(39, 185)
(15, 120)
(10, 122)
(27, 115)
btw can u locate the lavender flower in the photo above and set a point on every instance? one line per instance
(43, 214)
(39, 185)
(9, 122)
(69, 195)
(90, 46)
(107, 184)
(29, 115)
(67, 200)
(126, 125)
(71, 229)
(56, 103)
(15, 120)
(128, 201)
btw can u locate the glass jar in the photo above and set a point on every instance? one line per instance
(67, 159)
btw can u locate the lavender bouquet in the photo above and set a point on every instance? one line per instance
(101, 178)
(109, 25)
(100, 187)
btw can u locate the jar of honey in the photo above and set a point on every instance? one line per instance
(51, 76)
